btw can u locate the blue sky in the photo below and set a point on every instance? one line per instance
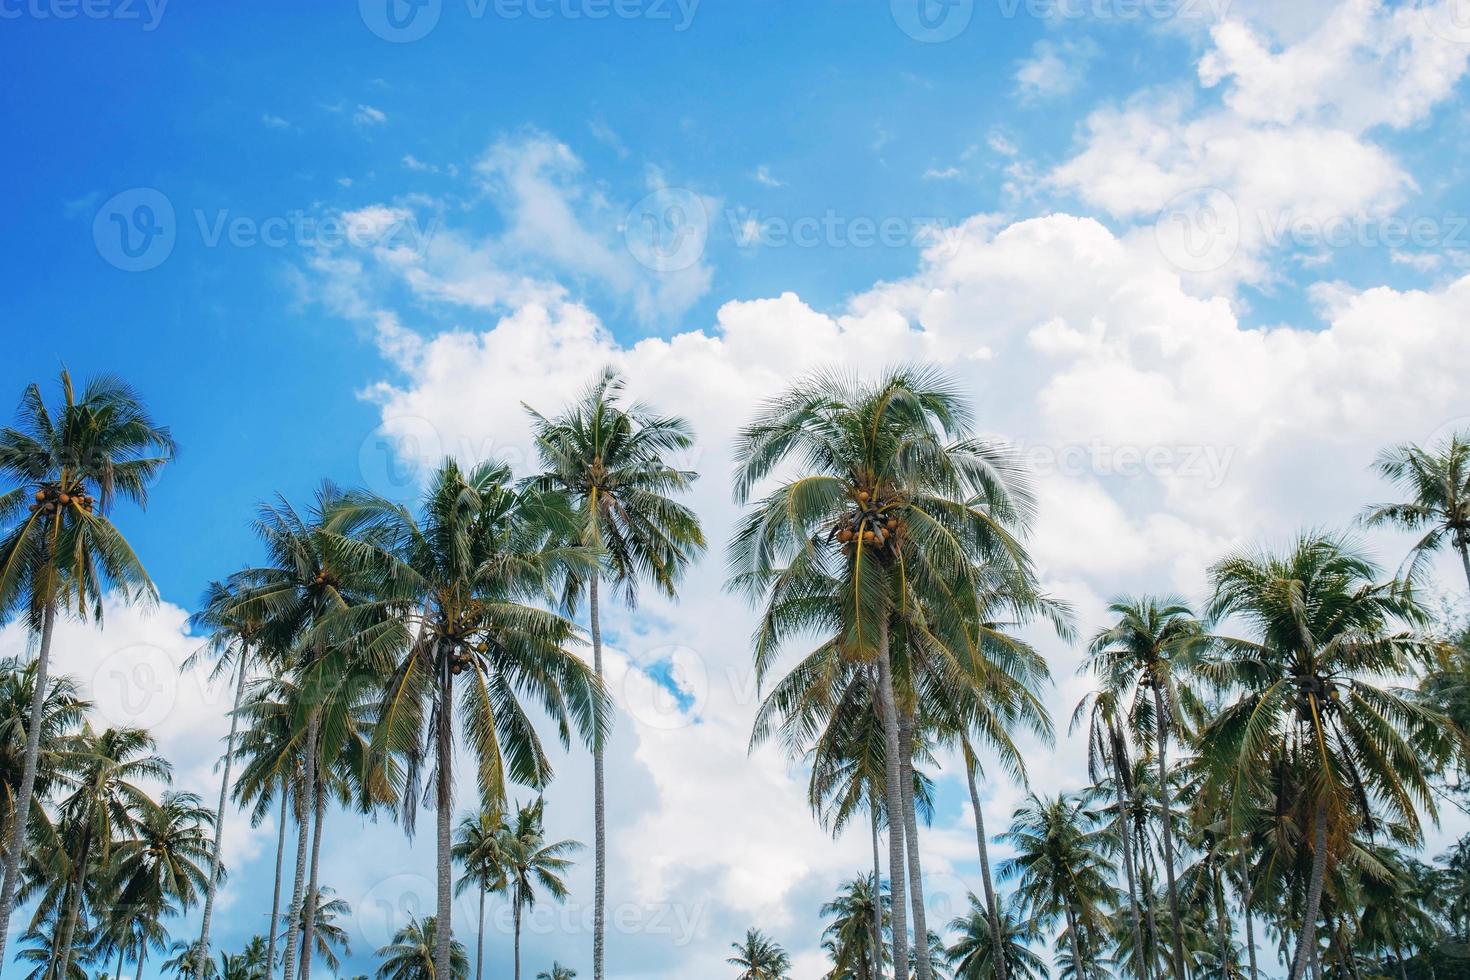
(1000, 200)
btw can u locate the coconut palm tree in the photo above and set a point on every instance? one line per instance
(883, 530)
(1060, 870)
(105, 806)
(1311, 692)
(410, 956)
(68, 465)
(477, 843)
(973, 955)
(532, 865)
(557, 972)
(62, 715)
(1137, 660)
(760, 958)
(1437, 481)
(162, 864)
(330, 938)
(234, 641)
(453, 598)
(611, 460)
(858, 953)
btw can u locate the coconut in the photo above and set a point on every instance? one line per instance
(40, 495)
(65, 499)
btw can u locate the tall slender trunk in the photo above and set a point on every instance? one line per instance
(480, 941)
(313, 888)
(1247, 898)
(142, 955)
(1145, 885)
(1462, 544)
(1078, 969)
(121, 949)
(443, 807)
(1125, 843)
(64, 948)
(1222, 924)
(518, 939)
(270, 956)
(897, 889)
(1161, 733)
(992, 913)
(20, 816)
(1307, 942)
(219, 813)
(1316, 959)
(599, 804)
(922, 966)
(877, 965)
(305, 806)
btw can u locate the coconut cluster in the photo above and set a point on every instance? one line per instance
(1327, 694)
(53, 500)
(871, 523)
(459, 662)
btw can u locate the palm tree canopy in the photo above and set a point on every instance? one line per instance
(760, 958)
(410, 956)
(1437, 483)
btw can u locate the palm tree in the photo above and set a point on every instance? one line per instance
(105, 805)
(1438, 482)
(62, 714)
(452, 598)
(62, 554)
(1060, 870)
(849, 937)
(410, 956)
(1136, 660)
(162, 865)
(477, 846)
(557, 972)
(973, 957)
(882, 536)
(531, 864)
(611, 461)
(1310, 695)
(330, 939)
(233, 640)
(760, 958)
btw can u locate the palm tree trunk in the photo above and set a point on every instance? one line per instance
(877, 964)
(64, 948)
(922, 966)
(142, 955)
(896, 885)
(444, 806)
(1462, 544)
(1145, 886)
(313, 889)
(992, 913)
(1125, 842)
(1078, 969)
(599, 803)
(219, 813)
(20, 816)
(518, 938)
(480, 941)
(1307, 941)
(1161, 733)
(1222, 924)
(1247, 900)
(270, 957)
(121, 949)
(305, 805)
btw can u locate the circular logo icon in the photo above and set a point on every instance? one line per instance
(398, 455)
(1458, 426)
(135, 687)
(669, 692)
(933, 21)
(1450, 19)
(1199, 230)
(135, 230)
(667, 230)
(400, 21)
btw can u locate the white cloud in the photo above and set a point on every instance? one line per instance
(1054, 69)
(763, 177)
(367, 115)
